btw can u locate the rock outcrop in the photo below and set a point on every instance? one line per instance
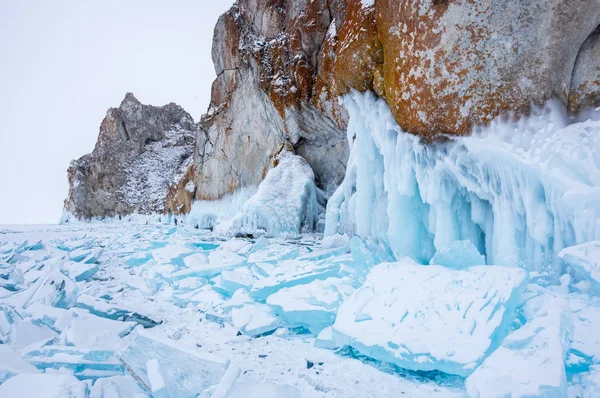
(140, 151)
(442, 66)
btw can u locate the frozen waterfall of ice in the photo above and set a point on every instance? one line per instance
(519, 190)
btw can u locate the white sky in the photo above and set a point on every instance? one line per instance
(64, 63)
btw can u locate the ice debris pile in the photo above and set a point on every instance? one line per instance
(141, 308)
(286, 203)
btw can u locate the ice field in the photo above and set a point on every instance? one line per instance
(144, 308)
(468, 267)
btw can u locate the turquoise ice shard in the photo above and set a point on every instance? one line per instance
(185, 371)
(458, 254)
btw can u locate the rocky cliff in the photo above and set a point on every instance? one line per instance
(442, 66)
(141, 151)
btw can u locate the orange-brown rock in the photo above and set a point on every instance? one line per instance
(451, 64)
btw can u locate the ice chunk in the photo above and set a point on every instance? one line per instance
(186, 371)
(12, 364)
(117, 387)
(262, 390)
(430, 317)
(158, 387)
(206, 298)
(286, 200)
(96, 333)
(585, 338)
(56, 319)
(531, 360)
(86, 256)
(225, 385)
(313, 305)
(43, 386)
(255, 319)
(27, 333)
(585, 260)
(198, 266)
(80, 271)
(274, 254)
(54, 288)
(291, 273)
(325, 339)
(238, 299)
(83, 363)
(239, 278)
(117, 312)
(586, 385)
(458, 254)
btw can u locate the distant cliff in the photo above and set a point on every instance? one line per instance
(141, 150)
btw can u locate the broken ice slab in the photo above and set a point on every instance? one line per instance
(585, 261)
(531, 360)
(12, 364)
(117, 387)
(55, 318)
(230, 281)
(199, 265)
(95, 332)
(116, 312)
(172, 253)
(586, 385)
(459, 254)
(87, 256)
(430, 317)
(255, 319)
(206, 298)
(585, 339)
(275, 253)
(205, 246)
(43, 386)
(80, 271)
(238, 299)
(323, 254)
(52, 288)
(313, 305)
(83, 363)
(27, 333)
(291, 273)
(138, 259)
(186, 370)
(325, 339)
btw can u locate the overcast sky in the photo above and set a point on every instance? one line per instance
(64, 63)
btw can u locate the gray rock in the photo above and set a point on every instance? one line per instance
(140, 151)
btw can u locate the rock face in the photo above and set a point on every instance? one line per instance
(442, 66)
(141, 150)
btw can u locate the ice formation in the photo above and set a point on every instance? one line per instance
(286, 201)
(520, 191)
